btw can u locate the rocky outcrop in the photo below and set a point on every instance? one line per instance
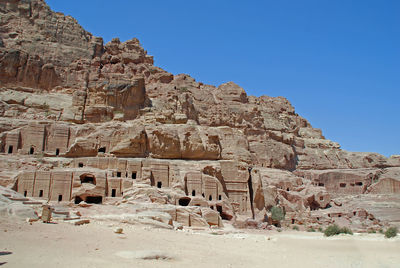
(68, 101)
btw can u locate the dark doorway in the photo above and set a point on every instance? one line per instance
(152, 183)
(80, 165)
(41, 193)
(57, 151)
(210, 198)
(119, 174)
(184, 201)
(87, 178)
(193, 192)
(159, 184)
(223, 215)
(32, 150)
(94, 199)
(10, 149)
(102, 150)
(113, 192)
(134, 175)
(78, 199)
(219, 197)
(25, 193)
(219, 209)
(59, 197)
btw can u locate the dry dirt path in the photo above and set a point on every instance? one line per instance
(96, 245)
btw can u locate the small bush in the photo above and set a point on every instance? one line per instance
(391, 232)
(372, 231)
(312, 230)
(335, 230)
(277, 213)
(381, 231)
(295, 227)
(320, 230)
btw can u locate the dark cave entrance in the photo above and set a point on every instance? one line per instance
(184, 201)
(94, 199)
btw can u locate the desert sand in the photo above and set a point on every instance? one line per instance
(96, 245)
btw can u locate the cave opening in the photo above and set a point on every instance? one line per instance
(184, 201)
(88, 178)
(94, 199)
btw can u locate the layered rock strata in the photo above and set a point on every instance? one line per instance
(88, 121)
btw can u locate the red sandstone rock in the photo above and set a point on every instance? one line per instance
(113, 114)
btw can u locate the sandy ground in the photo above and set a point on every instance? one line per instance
(96, 245)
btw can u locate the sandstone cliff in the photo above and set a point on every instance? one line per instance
(65, 95)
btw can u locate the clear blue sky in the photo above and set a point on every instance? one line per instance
(338, 62)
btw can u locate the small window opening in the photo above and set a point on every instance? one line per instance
(119, 174)
(102, 150)
(359, 183)
(32, 150)
(212, 207)
(287, 189)
(41, 193)
(80, 164)
(159, 184)
(193, 192)
(321, 198)
(321, 184)
(219, 197)
(57, 151)
(126, 174)
(340, 215)
(59, 197)
(134, 175)
(113, 192)
(210, 198)
(10, 149)
(25, 193)
(354, 213)
(292, 221)
(203, 195)
(342, 185)
(317, 218)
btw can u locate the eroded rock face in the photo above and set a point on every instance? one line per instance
(73, 109)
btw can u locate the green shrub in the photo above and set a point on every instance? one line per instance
(381, 231)
(335, 230)
(391, 232)
(320, 230)
(295, 228)
(372, 231)
(312, 230)
(277, 213)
